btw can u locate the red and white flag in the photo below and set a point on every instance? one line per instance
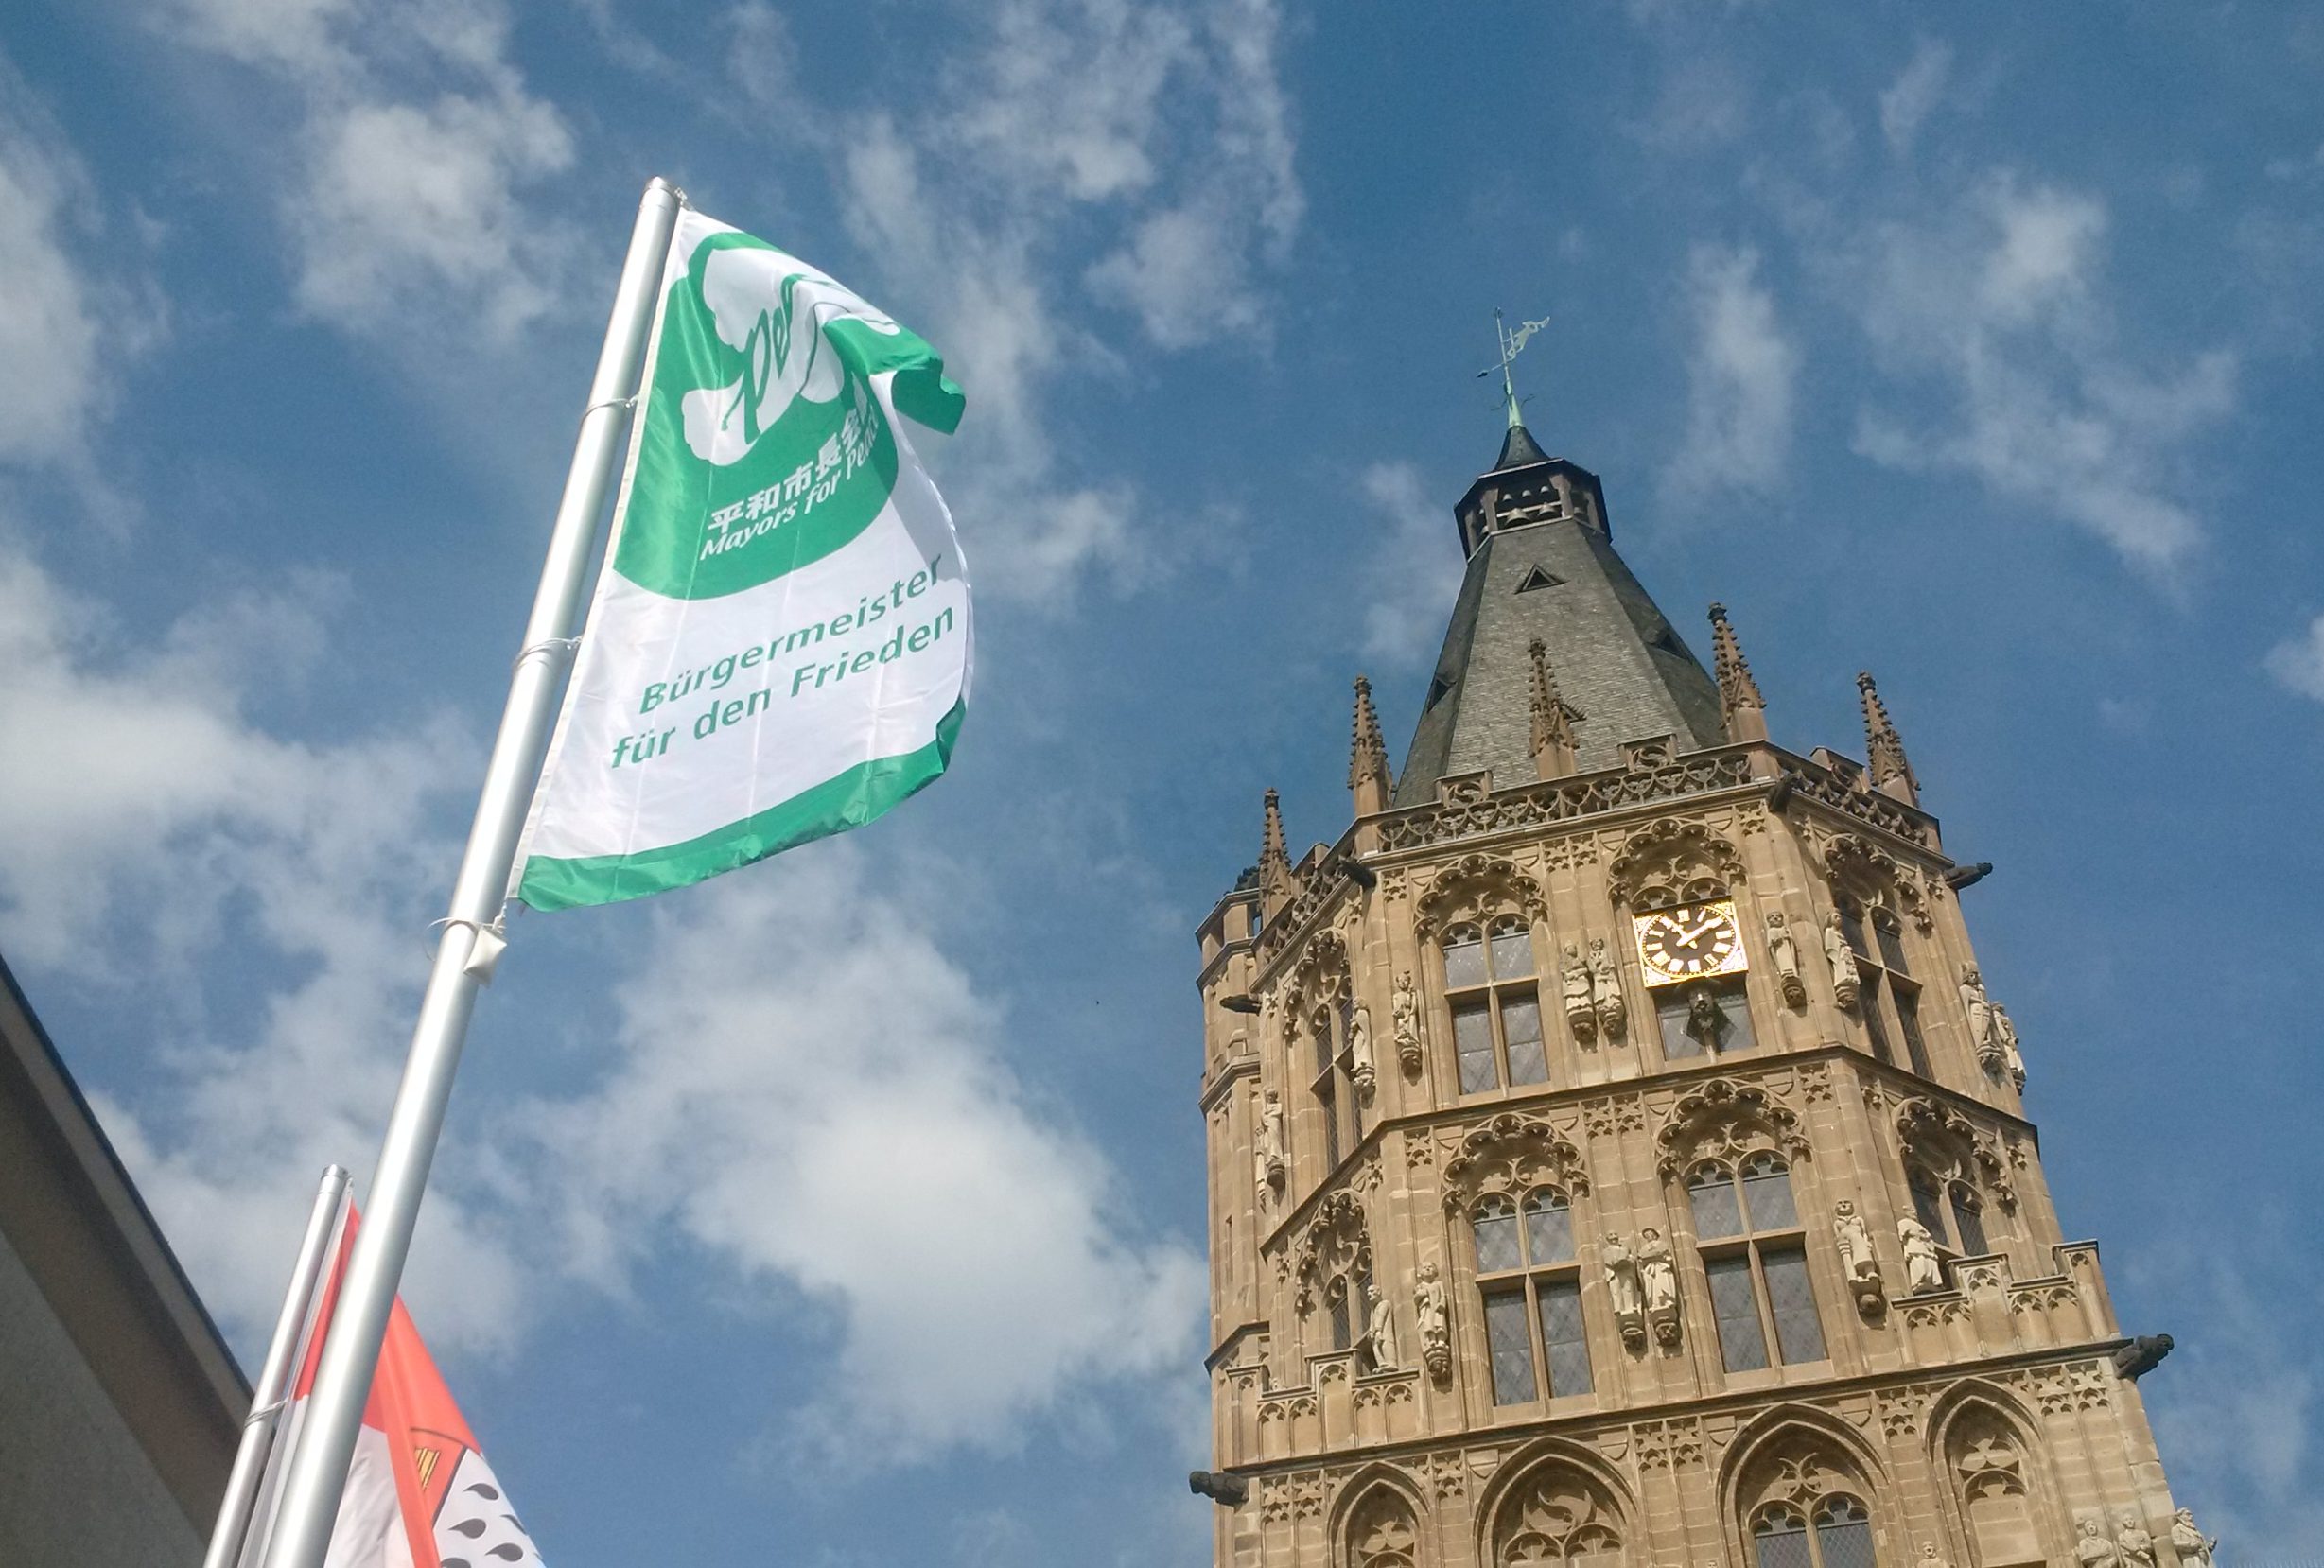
(419, 1493)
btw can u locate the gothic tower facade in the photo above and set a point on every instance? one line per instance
(1615, 1158)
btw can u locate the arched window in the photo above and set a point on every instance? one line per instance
(1558, 1518)
(1756, 1257)
(1495, 1004)
(1382, 1532)
(1533, 1295)
(1885, 987)
(1834, 1532)
(1332, 1082)
(1951, 1210)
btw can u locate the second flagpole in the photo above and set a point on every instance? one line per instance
(351, 1352)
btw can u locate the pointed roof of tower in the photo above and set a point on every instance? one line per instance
(1369, 758)
(1542, 566)
(1885, 759)
(1274, 862)
(1738, 692)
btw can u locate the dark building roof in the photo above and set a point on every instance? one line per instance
(1541, 565)
(70, 1213)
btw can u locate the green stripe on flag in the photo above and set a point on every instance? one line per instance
(864, 792)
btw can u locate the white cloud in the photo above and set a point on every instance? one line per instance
(165, 823)
(409, 204)
(2297, 662)
(809, 1090)
(1996, 304)
(1739, 379)
(1907, 101)
(408, 207)
(1158, 144)
(1415, 568)
(66, 315)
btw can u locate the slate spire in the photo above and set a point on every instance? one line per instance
(1368, 766)
(1542, 568)
(1740, 702)
(1884, 757)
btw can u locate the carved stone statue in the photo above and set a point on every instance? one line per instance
(1360, 1066)
(1379, 1330)
(1704, 1021)
(1856, 1261)
(2007, 1032)
(1924, 1265)
(2132, 1544)
(1658, 1278)
(2193, 1547)
(1979, 1008)
(1929, 1558)
(1608, 986)
(1843, 961)
(1580, 1011)
(1271, 1151)
(1623, 1289)
(1436, 1329)
(1783, 950)
(2092, 1549)
(1404, 1023)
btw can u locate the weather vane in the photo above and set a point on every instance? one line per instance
(1511, 344)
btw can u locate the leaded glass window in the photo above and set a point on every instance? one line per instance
(1536, 1298)
(1497, 1035)
(1747, 1222)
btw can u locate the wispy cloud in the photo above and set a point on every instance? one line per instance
(973, 1255)
(1996, 305)
(1917, 91)
(69, 314)
(1739, 379)
(2297, 662)
(1414, 570)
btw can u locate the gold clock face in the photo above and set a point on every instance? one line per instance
(1690, 943)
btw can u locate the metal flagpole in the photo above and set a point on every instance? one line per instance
(274, 1374)
(351, 1353)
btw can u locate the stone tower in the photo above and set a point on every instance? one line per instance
(1615, 1158)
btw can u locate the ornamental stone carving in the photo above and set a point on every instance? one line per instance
(2193, 1547)
(1658, 1282)
(1379, 1330)
(1581, 1009)
(1510, 1154)
(2007, 1032)
(1476, 886)
(1842, 959)
(1318, 984)
(1673, 863)
(2132, 1544)
(1405, 1025)
(1783, 953)
(1557, 1515)
(2091, 1547)
(1924, 1265)
(1984, 1037)
(1623, 1289)
(1725, 1118)
(1337, 1247)
(1606, 983)
(1430, 1315)
(1360, 1066)
(1858, 1264)
(1272, 1153)
(1866, 874)
(1947, 1144)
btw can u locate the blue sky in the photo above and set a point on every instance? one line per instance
(846, 1210)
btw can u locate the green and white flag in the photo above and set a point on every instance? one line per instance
(778, 648)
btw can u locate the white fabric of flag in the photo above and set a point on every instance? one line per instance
(779, 645)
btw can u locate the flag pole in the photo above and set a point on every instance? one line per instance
(351, 1352)
(266, 1406)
